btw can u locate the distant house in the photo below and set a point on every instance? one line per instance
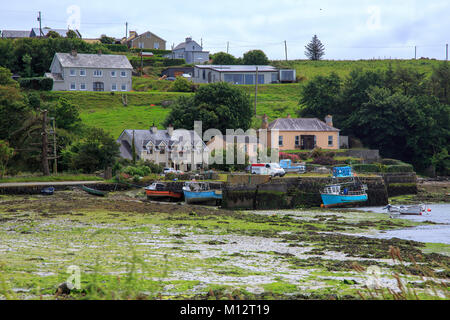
(235, 74)
(190, 51)
(90, 72)
(182, 150)
(14, 34)
(302, 133)
(146, 40)
(36, 32)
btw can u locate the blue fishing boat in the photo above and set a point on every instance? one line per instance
(198, 192)
(345, 193)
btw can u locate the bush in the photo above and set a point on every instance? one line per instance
(116, 47)
(37, 83)
(390, 162)
(293, 157)
(366, 168)
(324, 160)
(400, 168)
(154, 51)
(181, 84)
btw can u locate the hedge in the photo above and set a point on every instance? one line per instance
(366, 168)
(154, 51)
(155, 61)
(390, 161)
(399, 168)
(116, 47)
(37, 83)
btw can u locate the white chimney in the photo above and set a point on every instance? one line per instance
(153, 129)
(170, 130)
(329, 120)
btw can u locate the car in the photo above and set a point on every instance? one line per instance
(169, 170)
(170, 78)
(272, 169)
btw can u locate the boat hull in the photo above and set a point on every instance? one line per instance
(94, 191)
(163, 194)
(202, 196)
(337, 200)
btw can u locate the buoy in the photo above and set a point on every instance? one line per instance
(429, 210)
(321, 205)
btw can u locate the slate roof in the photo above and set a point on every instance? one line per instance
(300, 124)
(15, 34)
(237, 68)
(111, 61)
(183, 45)
(143, 137)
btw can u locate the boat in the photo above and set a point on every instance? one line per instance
(411, 210)
(286, 164)
(198, 192)
(160, 190)
(48, 191)
(94, 191)
(345, 193)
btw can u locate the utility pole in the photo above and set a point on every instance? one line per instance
(142, 64)
(415, 52)
(40, 25)
(44, 155)
(126, 30)
(55, 156)
(228, 45)
(285, 49)
(446, 52)
(201, 43)
(256, 87)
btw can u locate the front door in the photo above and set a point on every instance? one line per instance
(99, 86)
(308, 142)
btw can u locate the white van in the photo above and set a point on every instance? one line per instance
(272, 169)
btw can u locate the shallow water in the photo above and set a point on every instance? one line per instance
(436, 233)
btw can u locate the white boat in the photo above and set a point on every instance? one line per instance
(413, 210)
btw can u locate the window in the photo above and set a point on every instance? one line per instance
(141, 45)
(297, 140)
(123, 87)
(274, 77)
(82, 86)
(162, 150)
(155, 45)
(249, 79)
(234, 78)
(98, 86)
(280, 141)
(73, 72)
(260, 79)
(113, 74)
(82, 73)
(98, 73)
(114, 87)
(73, 86)
(123, 74)
(204, 74)
(330, 140)
(148, 35)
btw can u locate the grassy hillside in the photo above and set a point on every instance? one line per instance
(309, 69)
(105, 110)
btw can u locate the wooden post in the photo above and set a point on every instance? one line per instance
(256, 87)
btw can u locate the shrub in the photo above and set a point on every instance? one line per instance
(116, 47)
(317, 152)
(181, 84)
(366, 168)
(37, 83)
(323, 160)
(290, 156)
(390, 161)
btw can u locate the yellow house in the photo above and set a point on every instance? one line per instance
(301, 133)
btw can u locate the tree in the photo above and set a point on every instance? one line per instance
(27, 65)
(440, 82)
(71, 34)
(96, 151)
(66, 115)
(219, 105)
(181, 84)
(5, 78)
(6, 153)
(222, 58)
(255, 57)
(315, 50)
(106, 40)
(53, 34)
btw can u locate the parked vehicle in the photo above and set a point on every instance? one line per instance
(345, 193)
(160, 190)
(287, 166)
(169, 170)
(272, 169)
(197, 192)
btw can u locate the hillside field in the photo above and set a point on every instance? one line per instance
(105, 110)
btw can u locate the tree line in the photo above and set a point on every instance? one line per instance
(399, 111)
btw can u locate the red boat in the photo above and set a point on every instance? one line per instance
(159, 190)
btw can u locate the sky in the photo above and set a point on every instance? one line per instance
(349, 29)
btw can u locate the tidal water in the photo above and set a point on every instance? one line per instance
(434, 233)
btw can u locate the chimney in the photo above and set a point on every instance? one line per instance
(170, 130)
(188, 39)
(265, 122)
(289, 116)
(73, 53)
(153, 129)
(99, 52)
(329, 120)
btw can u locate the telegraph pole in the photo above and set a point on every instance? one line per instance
(446, 52)
(40, 25)
(256, 87)
(228, 44)
(285, 49)
(44, 155)
(415, 52)
(126, 30)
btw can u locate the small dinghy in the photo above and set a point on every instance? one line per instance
(94, 191)
(48, 191)
(412, 210)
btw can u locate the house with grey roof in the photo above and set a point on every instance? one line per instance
(179, 149)
(190, 51)
(90, 72)
(240, 74)
(14, 34)
(36, 32)
(300, 133)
